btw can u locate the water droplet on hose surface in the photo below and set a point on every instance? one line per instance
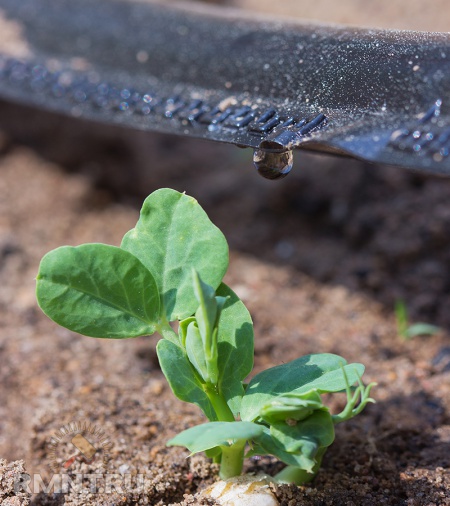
(273, 165)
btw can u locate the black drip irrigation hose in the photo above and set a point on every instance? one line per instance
(219, 74)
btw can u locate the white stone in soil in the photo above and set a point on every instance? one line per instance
(243, 491)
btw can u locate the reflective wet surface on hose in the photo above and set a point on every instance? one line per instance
(221, 75)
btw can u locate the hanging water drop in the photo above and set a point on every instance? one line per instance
(271, 164)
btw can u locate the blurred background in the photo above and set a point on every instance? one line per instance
(397, 14)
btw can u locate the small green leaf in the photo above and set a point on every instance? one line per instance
(207, 310)
(206, 317)
(265, 444)
(407, 331)
(235, 345)
(195, 351)
(401, 316)
(173, 236)
(293, 438)
(420, 329)
(214, 453)
(182, 329)
(182, 378)
(297, 445)
(321, 372)
(99, 291)
(291, 407)
(211, 435)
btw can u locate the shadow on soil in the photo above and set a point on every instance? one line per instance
(399, 433)
(404, 426)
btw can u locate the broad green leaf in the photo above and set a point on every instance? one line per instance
(173, 236)
(235, 344)
(320, 372)
(211, 435)
(182, 378)
(99, 291)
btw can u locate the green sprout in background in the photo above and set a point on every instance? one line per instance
(407, 331)
(169, 268)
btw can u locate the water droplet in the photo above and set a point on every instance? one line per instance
(273, 165)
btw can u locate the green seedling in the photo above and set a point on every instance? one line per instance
(407, 331)
(169, 268)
